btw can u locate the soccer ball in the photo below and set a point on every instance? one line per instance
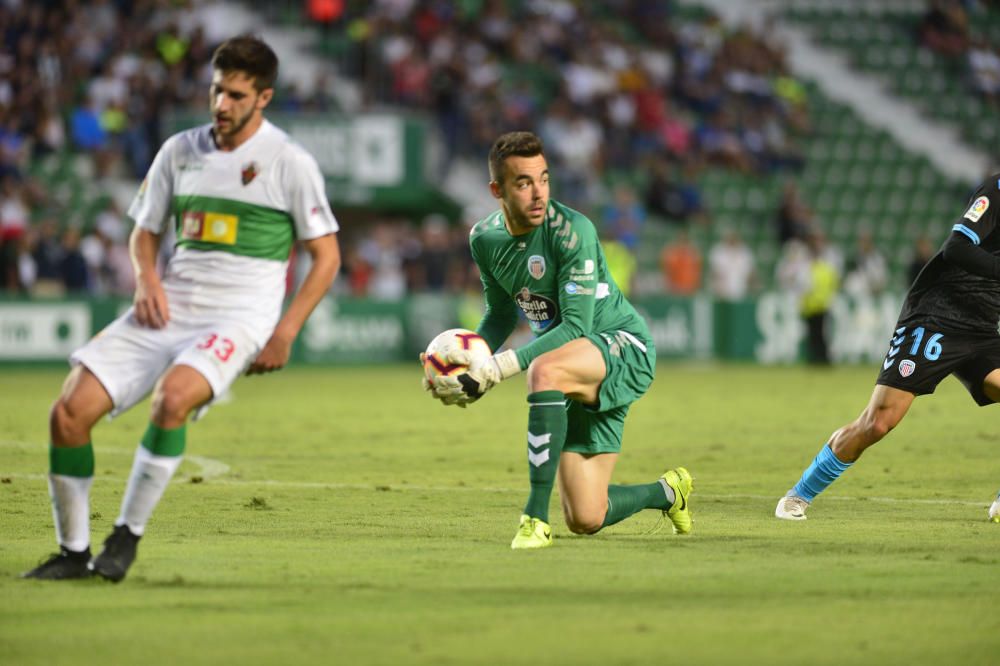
(436, 361)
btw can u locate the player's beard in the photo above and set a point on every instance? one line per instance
(527, 214)
(235, 125)
(519, 219)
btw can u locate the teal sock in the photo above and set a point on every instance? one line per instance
(546, 436)
(624, 501)
(824, 470)
(165, 441)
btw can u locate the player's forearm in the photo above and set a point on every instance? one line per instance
(500, 318)
(577, 321)
(143, 248)
(149, 300)
(495, 328)
(567, 330)
(325, 253)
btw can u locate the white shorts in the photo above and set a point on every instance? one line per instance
(128, 359)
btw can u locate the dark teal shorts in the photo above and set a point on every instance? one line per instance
(630, 363)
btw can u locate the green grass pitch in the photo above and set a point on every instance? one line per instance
(339, 516)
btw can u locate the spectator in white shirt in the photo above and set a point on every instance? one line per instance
(732, 272)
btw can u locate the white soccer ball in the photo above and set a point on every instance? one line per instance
(436, 361)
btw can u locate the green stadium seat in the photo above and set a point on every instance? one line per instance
(855, 177)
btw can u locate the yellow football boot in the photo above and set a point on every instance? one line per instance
(680, 513)
(533, 533)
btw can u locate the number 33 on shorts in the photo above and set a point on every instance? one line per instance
(223, 348)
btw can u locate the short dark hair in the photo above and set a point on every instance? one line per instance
(250, 55)
(519, 144)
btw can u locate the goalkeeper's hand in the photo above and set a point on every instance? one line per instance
(482, 375)
(429, 387)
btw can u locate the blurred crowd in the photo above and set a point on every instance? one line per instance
(83, 84)
(398, 258)
(622, 88)
(729, 270)
(633, 101)
(946, 30)
(84, 89)
(615, 86)
(618, 85)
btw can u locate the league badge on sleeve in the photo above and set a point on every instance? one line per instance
(977, 209)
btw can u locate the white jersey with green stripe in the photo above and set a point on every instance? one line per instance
(236, 214)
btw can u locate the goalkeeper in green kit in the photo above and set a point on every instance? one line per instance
(592, 358)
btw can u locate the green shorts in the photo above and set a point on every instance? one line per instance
(630, 364)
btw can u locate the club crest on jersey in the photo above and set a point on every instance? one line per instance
(536, 266)
(249, 172)
(906, 367)
(977, 209)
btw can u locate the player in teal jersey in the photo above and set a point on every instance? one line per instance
(592, 358)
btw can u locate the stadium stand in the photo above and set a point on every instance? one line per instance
(896, 47)
(656, 95)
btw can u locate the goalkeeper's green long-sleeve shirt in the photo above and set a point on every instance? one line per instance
(556, 274)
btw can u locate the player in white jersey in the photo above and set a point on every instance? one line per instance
(239, 193)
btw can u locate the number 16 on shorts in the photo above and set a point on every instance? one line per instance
(917, 342)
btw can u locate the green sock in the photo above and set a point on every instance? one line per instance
(155, 462)
(623, 501)
(75, 461)
(164, 441)
(71, 471)
(546, 436)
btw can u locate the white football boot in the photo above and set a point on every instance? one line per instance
(995, 510)
(792, 507)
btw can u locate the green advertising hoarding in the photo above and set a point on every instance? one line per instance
(354, 331)
(49, 330)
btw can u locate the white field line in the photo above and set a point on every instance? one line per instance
(210, 467)
(213, 470)
(319, 485)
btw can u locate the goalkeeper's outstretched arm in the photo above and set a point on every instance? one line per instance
(500, 318)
